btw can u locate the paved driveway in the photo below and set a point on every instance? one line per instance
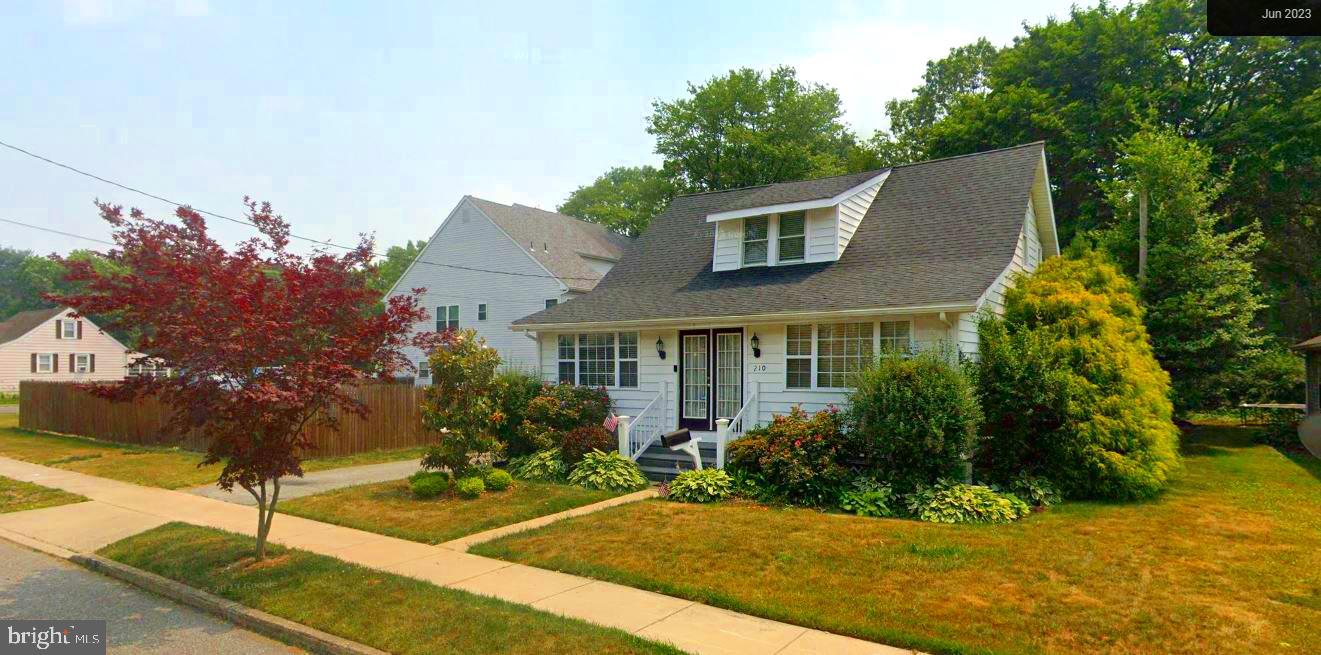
(315, 483)
(38, 586)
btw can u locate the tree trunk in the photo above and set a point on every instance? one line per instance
(1142, 237)
(265, 512)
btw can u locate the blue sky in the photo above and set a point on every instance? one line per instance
(377, 117)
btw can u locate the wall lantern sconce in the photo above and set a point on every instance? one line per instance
(660, 348)
(756, 347)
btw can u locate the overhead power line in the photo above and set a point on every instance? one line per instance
(52, 231)
(240, 221)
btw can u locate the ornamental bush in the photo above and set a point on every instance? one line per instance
(913, 420)
(429, 484)
(460, 405)
(470, 487)
(584, 439)
(498, 479)
(1070, 388)
(559, 408)
(701, 486)
(801, 457)
(954, 502)
(867, 497)
(607, 472)
(543, 465)
(1037, 492)
(517, 389)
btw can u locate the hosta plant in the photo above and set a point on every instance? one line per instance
(867, 497)
(954, 502)
(543, 465)
(1035, 491)
(608, 472)
(701, 486)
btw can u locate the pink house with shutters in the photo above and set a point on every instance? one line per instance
(52, 345)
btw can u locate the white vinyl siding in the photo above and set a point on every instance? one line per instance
(821, 234)
(729, 245)
(1027, 257)
(851, 211)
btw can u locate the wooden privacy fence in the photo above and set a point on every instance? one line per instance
(394, 421)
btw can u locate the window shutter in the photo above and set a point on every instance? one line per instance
(59, 329)
(71, 366)
(91, 363)
(54, 363)
(80, 329)
(34, 362)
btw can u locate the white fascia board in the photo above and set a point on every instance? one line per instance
(794, 206)
(718, 321)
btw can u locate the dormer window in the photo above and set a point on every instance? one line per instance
(756, 240)
(792, 241)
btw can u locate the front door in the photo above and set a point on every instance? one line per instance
(710, 376)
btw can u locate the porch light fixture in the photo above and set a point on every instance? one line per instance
(660, 348)
(756, 347)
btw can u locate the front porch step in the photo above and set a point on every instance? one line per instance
(660, 464)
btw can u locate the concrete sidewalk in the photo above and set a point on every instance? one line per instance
(118, 510)
(319, 481)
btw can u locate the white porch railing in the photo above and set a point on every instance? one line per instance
(637, 433)
(729, 429)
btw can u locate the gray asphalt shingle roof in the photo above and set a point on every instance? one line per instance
(558, 242)
(786, 192)
(23, 322)
(938, 232)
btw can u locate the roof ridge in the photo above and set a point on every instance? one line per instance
(1040, 142)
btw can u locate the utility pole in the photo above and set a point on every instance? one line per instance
(1142, 236)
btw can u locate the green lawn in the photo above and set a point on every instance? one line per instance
(389, 612)
(1227, 561)
(18, 496)
(169, 468)
(389, 508)
(8, 399)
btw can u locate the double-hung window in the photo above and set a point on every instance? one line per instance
(598, 359)
(842, 349)
(447, 317)
(45, 362)
(895, 336)
(481, 312)
(756, 235)
(68, 329)
(793, 237)
(798, 357)
(828, 355)
(82, 363)
(424, 370)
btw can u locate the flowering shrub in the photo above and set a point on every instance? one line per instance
(954, 502)
(517, 389)
(607, 471)
(700, 486)
(542, 465)
(584, 439)
(461, 403)
(800, 457)
(558, 409)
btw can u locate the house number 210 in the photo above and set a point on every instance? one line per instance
(758, 368)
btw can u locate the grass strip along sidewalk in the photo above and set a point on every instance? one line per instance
(382, 610)
(1228, 560)
(19, 496)
(152, 466)
(389, 508)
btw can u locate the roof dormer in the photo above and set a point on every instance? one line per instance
(793, 223)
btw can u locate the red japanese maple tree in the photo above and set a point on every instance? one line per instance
(262, 341)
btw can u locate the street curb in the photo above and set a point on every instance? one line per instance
(284, 630)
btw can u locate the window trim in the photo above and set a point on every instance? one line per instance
(551, 302)
(448, 313)
(779, 238)
(876, 349)
(50, 362)
(481, 311)
(424, 370)
(65, 325)
(744, 241)
(82, 363)
(577, 359)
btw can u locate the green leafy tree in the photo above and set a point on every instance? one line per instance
(946, 82)
(1070, 388)
(624, 199)
(462, 403)
(1200, 289)
(397, 260)
(747, 128)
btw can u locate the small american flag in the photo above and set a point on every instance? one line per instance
(611, 422)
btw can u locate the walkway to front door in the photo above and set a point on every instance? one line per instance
(710, 376)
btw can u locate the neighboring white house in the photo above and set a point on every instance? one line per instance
(488, 264)
(49, 344)
(738, 305)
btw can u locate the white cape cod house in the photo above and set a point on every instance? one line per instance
(735, 306)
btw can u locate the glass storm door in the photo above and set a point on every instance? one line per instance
(729, 372)
(710, 376)
(695, 379)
